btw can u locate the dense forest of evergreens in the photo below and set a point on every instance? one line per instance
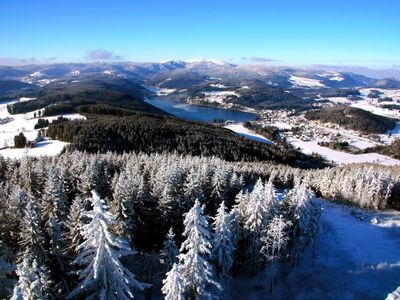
(146, 133)
(352, 118)
(81, 96)
(66, 218)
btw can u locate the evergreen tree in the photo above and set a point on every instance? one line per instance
(104, 276)
(223, 247)
(195, 251)
(31, 234)
(170, 250)
(193, 187)
(122, 206)
(74, 225)
(34, 281)
(275, 238)
(173, 285)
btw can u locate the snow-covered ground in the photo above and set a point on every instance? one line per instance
(305, 82)
(25, 123)
(339, 157)
(373, 108)
(354, 258)
(243, 131)
(43, 148)
(218, 96)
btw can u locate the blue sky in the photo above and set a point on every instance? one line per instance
(302, 32)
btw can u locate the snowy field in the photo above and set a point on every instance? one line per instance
(218, 96)
(243, 131)
(43, 148)
(25, 123)
(356, 256)
(305, 82)
(342, 158)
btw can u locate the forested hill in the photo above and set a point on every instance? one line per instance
(353, 118)
(119, 97)
(150, 133)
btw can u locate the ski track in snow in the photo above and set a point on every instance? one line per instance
(354, 259)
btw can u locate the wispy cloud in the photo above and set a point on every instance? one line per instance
(101, 54)
(258, 59)
(11, 61)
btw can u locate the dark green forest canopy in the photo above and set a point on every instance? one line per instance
(123, 95)
(353, 118)
(150, 133)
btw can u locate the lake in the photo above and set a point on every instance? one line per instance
(200, 113)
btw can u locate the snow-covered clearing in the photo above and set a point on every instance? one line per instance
(218, 96)
(243, 131)
(354, 258)
(305, 82)
(164, 92)
(25, 123)
(373, 108)
(43, 148)
(334, 76)
(339, 157)
(218, 85)
(391, 93)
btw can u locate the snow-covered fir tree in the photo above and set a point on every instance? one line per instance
(32, 235)
(173, 286)
(170, 251)
(103, 276)
(275, 238)
(197, 272)
(34, 281)
(223, 247)
(74, 225)
(122, 205)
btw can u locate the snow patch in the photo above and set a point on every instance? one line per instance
(305, 82)
(43, 148)
(342, 158)
(243, 131)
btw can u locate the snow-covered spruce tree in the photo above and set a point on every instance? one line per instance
(223, 247)
(54, 199)
(74, 225)
(274, 242)
(34, 282)
(54, 212)
(31, 234)
(103, 276)
(170, 251)
(304, 214)
(170, 197)
(258, 214)
(122, 205)
(173, 285)
(193, 187)
(13, 200)
(197, 272)
(220, 184)
(275, 238)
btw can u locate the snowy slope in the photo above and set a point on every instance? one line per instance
(305, 82)
(339, 157)
(243, 131)
(353, 259)
(43, 148)
(25, 123)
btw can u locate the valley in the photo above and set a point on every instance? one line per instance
(299, 166)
